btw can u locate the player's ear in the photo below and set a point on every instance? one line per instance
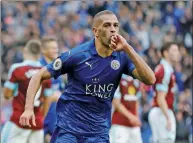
(165, 53)
(95, 31)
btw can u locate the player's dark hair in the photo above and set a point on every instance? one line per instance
(47, 39)
(101, 13)
(33, 46)
(166, 47)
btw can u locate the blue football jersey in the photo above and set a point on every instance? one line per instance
(85, 105)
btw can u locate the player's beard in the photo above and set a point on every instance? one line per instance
(106, 41)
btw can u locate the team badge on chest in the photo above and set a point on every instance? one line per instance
(115, 64)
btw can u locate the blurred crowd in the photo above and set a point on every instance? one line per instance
(145, 25)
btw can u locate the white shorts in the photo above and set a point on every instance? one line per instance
(158, 124)
(124, 134)
(11, 133)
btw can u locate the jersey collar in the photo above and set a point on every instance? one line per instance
(167, 64)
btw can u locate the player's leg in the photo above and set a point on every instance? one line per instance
(172, 132)
(119, 134)
(135, 135)
(61, 136)
(167, 136)
(36, 136)
(163, 134)
(11, 133)
(152, 118)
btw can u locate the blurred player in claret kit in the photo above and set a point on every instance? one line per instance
(125, 120)
(50, 51)
(94, 70)
(161, 116)
(16, 87)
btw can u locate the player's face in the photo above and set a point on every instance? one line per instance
(174, 53)
(51, 50)
(108, 27)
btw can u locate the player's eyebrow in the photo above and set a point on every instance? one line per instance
(109, 23)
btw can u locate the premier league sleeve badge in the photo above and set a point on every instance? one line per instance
(57, 64)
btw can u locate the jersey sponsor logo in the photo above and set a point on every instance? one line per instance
(99, 90)
(57, 64)
(31, 72)
(90, 65)
(115, 64)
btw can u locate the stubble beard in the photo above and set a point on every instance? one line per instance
(105, 43)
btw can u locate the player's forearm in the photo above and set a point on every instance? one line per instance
(46, 106)
(163, 105)
(123, 110)
(33, 87)
(145, 73)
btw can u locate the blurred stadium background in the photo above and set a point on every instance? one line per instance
(145, 25)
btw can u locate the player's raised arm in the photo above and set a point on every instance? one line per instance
(33, 87)
(142, 72)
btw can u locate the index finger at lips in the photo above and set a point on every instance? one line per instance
(117, 37)
(114, 38)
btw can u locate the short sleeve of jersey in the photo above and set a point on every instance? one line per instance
(11, 83)
(129, 65)
(63, 64)
(161, 80)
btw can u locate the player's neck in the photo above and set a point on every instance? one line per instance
(167, 59)
(102, 50)
(30, 58)
(48, 60)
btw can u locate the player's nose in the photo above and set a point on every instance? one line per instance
(113, 30)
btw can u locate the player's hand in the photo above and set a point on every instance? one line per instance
(118, 43)
(26, 117)
(135, 120)
(169, 124)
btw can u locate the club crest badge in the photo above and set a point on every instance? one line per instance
(115, 64)
(57, 64)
